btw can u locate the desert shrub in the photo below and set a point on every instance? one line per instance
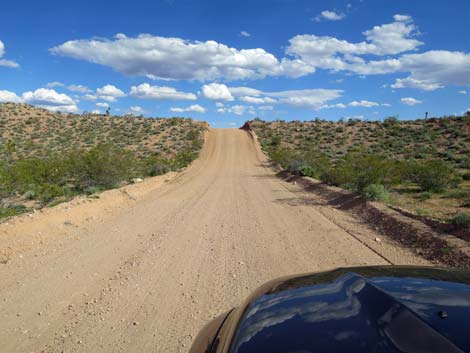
(283, 156)
(25, 175)
(376, 192)
(12, 210)
(159, 169)
(48, 192)
(92, 190)
(184, 158)
(29, 195)
(462, 220)
(154, 165)
(275, 141)
(457, 194)
(316, 164)
(426, 195)
(104, 165)
(81, 171)
(432, 175)
(296, 165)
(358, 170)
(390, 121)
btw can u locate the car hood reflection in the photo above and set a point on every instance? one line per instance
(351, 314)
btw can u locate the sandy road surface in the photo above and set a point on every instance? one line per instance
(146, 276)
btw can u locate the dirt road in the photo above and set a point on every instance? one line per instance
(146, 275)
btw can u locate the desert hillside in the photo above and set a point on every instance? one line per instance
(421, 165)
(447, 138)
(27, 131)
(47, 158)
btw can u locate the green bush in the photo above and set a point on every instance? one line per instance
(358, 170)
(283, 156)
(103, 165)
(462, 220)
(29, 195)
(310, 163)
(390, 121)
(23, 174)
(92, 190)
(83, 171)
(12, 210)
(426, 195)
(159, 169)
(376, 192)
(184, 158)
(433, 175)
(316, 164)
(457, 194)
(48, 192)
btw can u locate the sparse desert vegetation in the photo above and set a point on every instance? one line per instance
(420, 165)
(47, 157)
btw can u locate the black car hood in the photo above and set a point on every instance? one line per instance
(359, 310)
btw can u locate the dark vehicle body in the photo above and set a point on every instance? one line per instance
(362, 309)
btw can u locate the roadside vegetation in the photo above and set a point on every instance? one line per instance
(420, 165)
(48, 158)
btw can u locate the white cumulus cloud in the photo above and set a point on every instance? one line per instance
(410, 101)
(330, 16)
(238, 110)
(54, 84)
(7, 96)
(176, 58)
(257, 100)
(363, 103)
(216, 91)
(388, 48)
(307, 98)
(316, 98)
(245, 91)
(402, 18)
(135, 109)
(146, 91)
(410, 82)
(337, 105)
(90, 97)
(266, 107)
(50, 99)
(4, 62)
(78, 88)
(109, 93)
(428, 71)
(336, 54)
(195, 108)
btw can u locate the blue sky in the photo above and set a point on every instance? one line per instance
(230, 61)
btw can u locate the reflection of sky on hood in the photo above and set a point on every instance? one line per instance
(427, 292)
(352, 311)
(267, 301)
(274, 309)
(428, 297)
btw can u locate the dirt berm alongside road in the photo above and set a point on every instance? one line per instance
(142, 269)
